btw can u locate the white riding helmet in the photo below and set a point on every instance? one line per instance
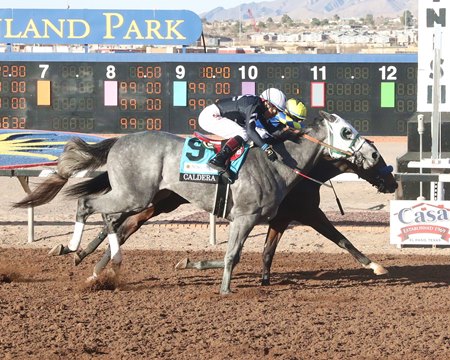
(275, 97)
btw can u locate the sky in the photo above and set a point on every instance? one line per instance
(197, 6)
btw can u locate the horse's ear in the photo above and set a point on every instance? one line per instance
(327, 116)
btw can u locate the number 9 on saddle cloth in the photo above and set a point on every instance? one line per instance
(197, 151)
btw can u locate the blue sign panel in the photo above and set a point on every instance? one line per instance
(83, 26)
(27, 148)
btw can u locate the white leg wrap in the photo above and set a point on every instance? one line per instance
(74, 243)
(116, 255)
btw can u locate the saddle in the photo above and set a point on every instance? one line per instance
(216, 145)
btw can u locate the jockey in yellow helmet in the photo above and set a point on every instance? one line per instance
(293, 116)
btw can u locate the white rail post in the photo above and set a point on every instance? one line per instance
(420, 130)
(24, 182)
(212, 229)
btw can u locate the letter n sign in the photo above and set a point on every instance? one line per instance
(433, 28)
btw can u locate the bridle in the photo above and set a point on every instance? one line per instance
(333, 150)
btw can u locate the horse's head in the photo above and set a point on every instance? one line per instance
(347, 143)
(379, 175)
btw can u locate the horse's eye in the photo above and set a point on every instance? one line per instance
(347, 133)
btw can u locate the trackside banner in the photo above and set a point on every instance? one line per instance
(423, 222)
(83, 26)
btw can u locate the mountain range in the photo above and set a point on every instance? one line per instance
(308, 9)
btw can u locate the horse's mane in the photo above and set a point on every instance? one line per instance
(314, 124)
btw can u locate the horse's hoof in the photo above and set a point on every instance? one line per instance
(182, 264)
(77, 259)
(91, 279)
(225, 292)
(377, 269)
(57, 250)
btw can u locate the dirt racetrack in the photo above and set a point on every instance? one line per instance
(321, 304)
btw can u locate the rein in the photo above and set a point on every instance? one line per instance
(317, 141)
(328, 146)
(298, 172)
(331, 147)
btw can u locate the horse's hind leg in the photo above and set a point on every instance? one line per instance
(91, 247)
(115, 202)
(82, 214)
(113, 222)
(164, 201)
(129, 224)
(128, 227)
(185, 263)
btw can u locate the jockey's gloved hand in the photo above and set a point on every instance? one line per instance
(271, 155)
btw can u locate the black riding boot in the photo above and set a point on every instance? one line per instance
(221, 160)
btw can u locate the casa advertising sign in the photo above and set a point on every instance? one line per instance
(423, 222)
(83, 26)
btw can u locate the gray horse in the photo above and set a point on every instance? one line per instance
(141, 165)
(301, 204)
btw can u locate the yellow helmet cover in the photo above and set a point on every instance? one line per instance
(296, 109)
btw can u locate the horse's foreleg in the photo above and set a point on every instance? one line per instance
(240, 228)
(273, 237)
(378, 269)
(321, 224)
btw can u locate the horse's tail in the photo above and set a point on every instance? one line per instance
(96, 185)
(77, 156)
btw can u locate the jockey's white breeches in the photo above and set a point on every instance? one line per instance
(211, 121)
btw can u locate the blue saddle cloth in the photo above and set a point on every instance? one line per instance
(194, 161)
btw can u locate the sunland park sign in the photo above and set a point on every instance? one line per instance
(420, 222)
(82, 26)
